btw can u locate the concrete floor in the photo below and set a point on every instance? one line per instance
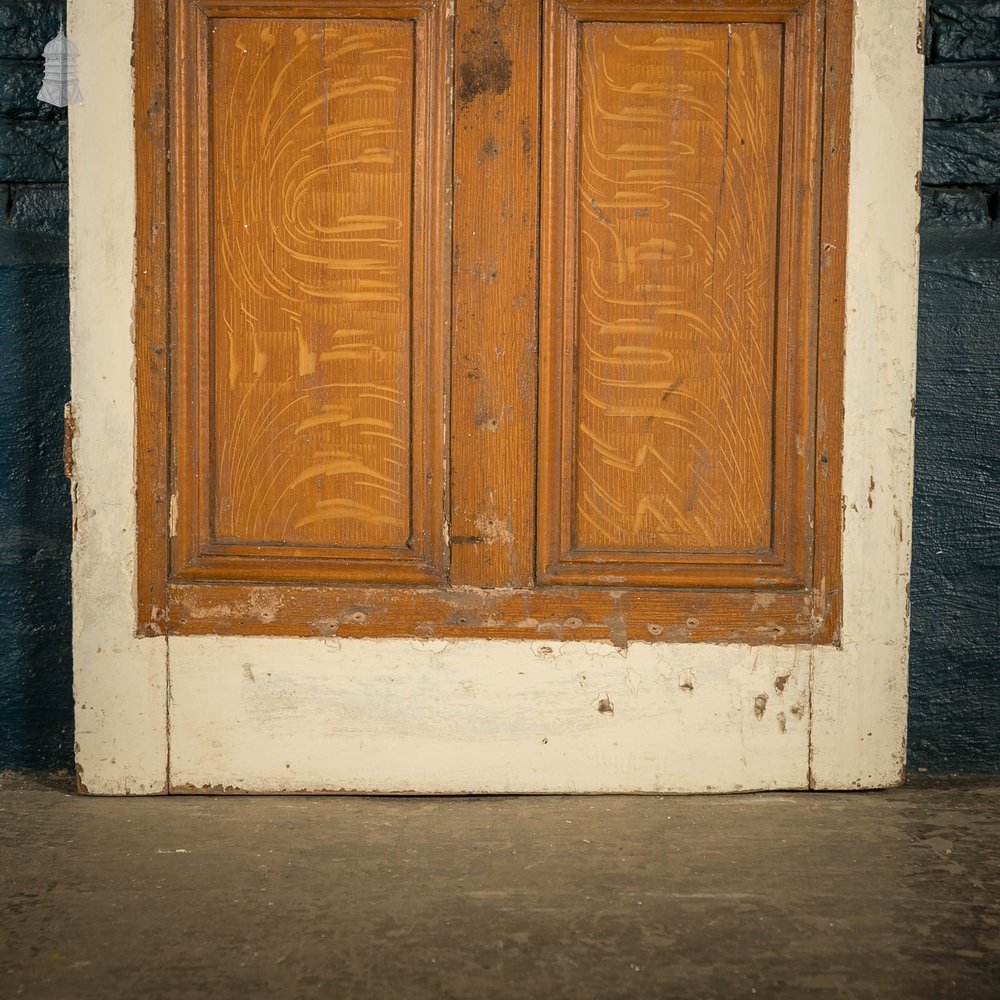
(887, 894)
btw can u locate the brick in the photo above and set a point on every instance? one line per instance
(964, 31)
(38, 208)
(35, 516)
(33, 151)
(956, 515)
(961, 154)
(959, 329)
(19, 84)
(954, 208)
(26, 25)
(954, 93)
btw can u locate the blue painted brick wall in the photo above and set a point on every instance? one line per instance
(35, 663)
(955, 589)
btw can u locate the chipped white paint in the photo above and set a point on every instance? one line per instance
(119, 681)
(859, 694)
(273, 714)
(394, 715)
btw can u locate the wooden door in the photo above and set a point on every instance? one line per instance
(536, 354)
(514, 321)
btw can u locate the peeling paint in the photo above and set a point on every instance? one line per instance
(69, 441)
(617, 630)
(493, 530)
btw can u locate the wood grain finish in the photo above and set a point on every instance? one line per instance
(152, 332)
(677, 190)
(494, 334)
(310, 359)
(311, 168)
(678, 331)
(677, 170)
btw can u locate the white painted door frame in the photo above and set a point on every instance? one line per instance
(273, 714)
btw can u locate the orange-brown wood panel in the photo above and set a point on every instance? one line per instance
(739, 262)
(309, 247)
(677, 190)
(677, 334)
(829, 426)
(619, 616)
(311, 166)
(152, 354)
(494, 345)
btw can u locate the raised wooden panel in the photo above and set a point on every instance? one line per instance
(678, 326)
(309, 251)
(310, 274)
(677, 191)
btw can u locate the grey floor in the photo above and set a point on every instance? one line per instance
(884, 894)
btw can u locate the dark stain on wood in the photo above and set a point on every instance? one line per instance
(489, 150)
(486, 68)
